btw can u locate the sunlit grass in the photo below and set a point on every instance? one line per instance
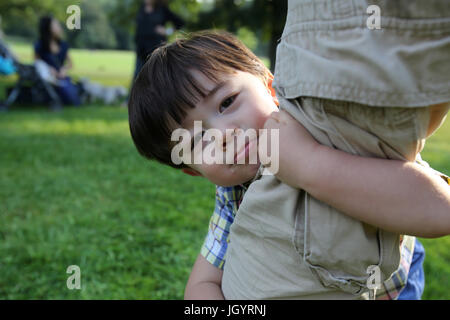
(75, 191)
(109, 67)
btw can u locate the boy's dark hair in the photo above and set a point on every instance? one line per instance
(165, 90)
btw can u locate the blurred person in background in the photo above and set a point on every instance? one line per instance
(151, 19)
(52, 52)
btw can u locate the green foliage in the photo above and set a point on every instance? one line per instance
(96, 31)
(264, 18)
(122, 14)
(437, 264)
(111, 23)
(15, 12)
(248, 38)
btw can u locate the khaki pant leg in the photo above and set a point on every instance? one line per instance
(285, 243)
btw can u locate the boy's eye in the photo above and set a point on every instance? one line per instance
(226, 103)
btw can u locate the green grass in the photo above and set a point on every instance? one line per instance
(73, 190)
(437, 251)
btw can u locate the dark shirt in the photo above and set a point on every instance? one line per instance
(56, 60)
(146, 37)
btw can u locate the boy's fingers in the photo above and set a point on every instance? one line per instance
(275, 120)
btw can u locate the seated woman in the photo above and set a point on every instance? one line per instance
(51, 49)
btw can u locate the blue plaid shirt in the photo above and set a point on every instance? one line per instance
(215, 245)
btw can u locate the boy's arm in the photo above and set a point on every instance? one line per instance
(397, 196)
(204, 282)
(206, 276)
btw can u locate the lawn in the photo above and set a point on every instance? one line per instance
(105, 66)
(74, 191)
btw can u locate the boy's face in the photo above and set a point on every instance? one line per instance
(237, 101)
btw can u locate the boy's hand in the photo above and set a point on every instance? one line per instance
(295, 147)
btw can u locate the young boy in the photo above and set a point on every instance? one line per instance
(214, 78)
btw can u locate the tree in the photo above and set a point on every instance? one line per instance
(111, 23)
(273, 14)
(15, 12)
(96, 31)
(264, 17)
(122, 15)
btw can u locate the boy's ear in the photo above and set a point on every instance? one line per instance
(191, 172)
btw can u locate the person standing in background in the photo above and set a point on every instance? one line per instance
(150, 29)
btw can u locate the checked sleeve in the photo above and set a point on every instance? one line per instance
(214, 247)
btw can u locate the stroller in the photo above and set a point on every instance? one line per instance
(30, 87)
